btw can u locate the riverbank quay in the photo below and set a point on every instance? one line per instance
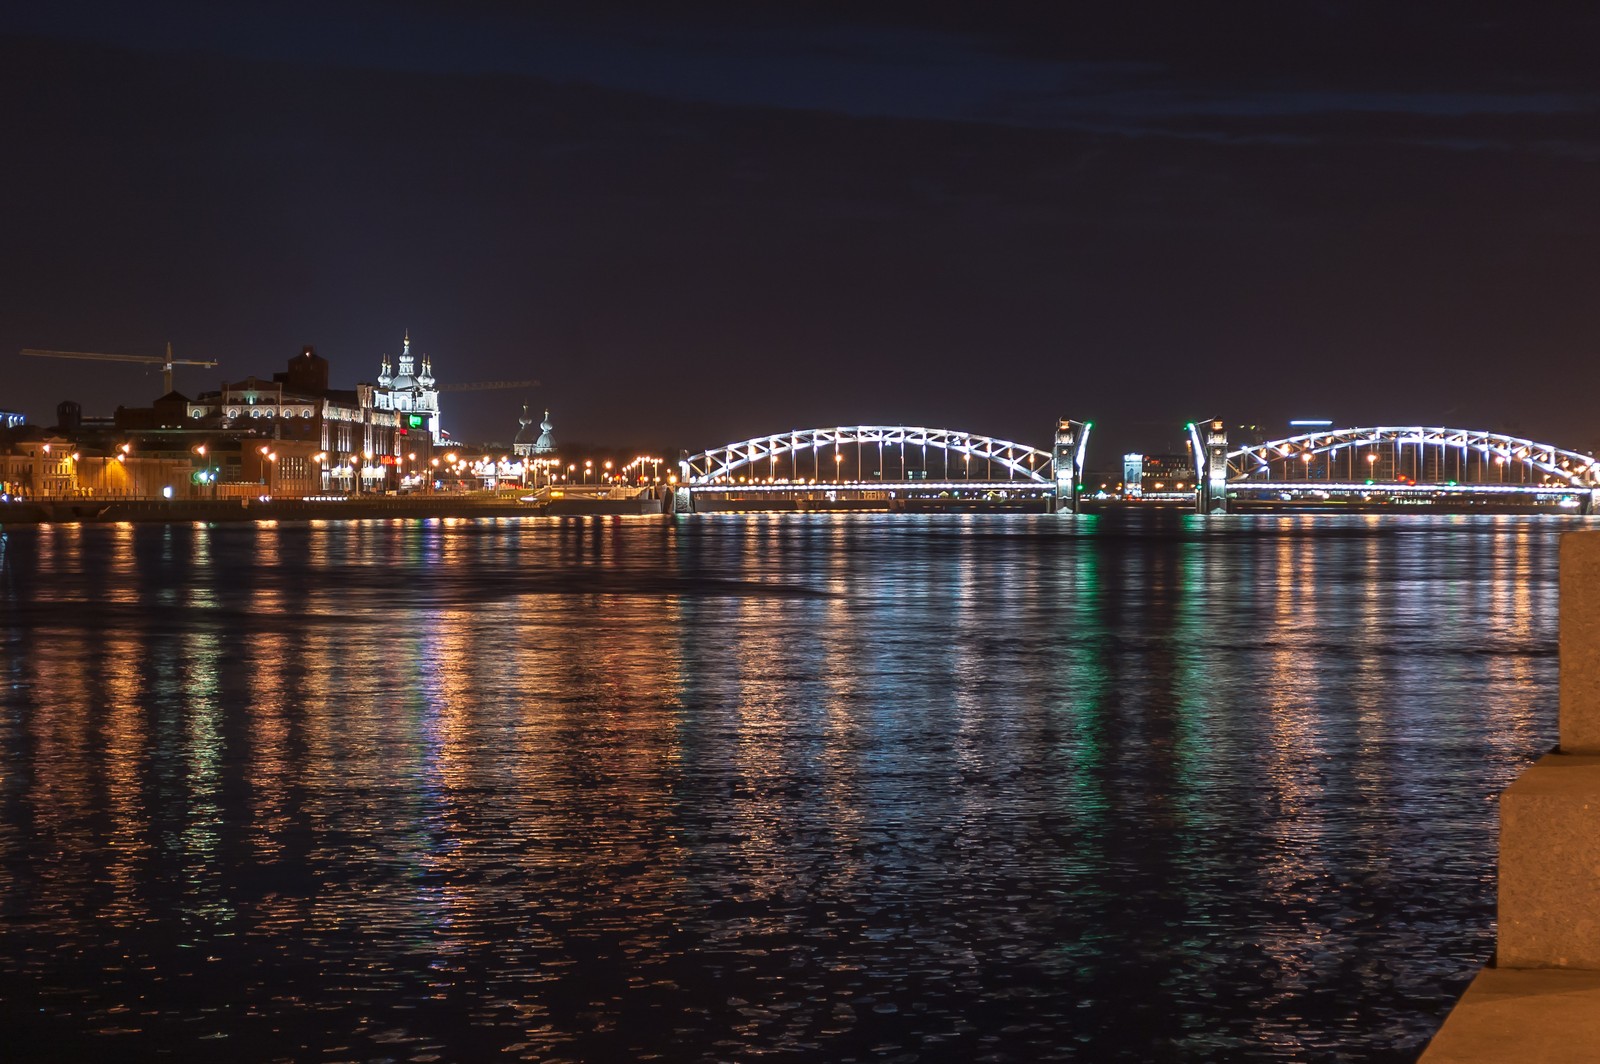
(104, 511)
(1539, 999)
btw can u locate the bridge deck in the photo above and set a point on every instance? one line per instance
(1032, 486)
(1402, 488)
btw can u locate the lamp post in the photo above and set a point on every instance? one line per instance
(206, 475)
(838, 467)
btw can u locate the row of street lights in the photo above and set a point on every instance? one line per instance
(490, 469)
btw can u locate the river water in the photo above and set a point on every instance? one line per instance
(825, 788)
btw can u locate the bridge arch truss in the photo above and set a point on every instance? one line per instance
(867, 454)
(1414, 455)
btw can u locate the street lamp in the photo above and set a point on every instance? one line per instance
(838, 468)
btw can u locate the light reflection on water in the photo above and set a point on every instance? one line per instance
(831, 788)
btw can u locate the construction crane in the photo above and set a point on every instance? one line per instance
(166, 362)
(485, 386)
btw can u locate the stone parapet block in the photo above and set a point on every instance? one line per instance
(1550, 866)
(1580, 643)
(1540, 1015)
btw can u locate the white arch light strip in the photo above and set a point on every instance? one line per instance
(1576, 469)
(1029, 463)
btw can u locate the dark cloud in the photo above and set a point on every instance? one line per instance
(1075, 67)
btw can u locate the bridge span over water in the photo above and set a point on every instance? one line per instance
(898, 467)
(885, 467)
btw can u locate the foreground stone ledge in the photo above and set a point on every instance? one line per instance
(1580, 643)
(1550, 866)
(1545, 1015)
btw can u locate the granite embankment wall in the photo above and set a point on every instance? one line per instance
(77, 510)
(1539, 1001)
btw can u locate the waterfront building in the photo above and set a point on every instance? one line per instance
(34, 463)
(290, 434)
(1156, 474)
(43, 464)
(83, 457)
(1133, 475)
(318, 439)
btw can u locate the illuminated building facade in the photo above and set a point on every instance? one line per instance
(409, 392)
(1157, 474)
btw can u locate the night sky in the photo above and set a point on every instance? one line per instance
(734, 221)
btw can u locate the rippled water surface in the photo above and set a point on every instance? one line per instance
(772, 787)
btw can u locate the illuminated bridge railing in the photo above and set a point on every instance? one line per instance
(870, 456)
(780, 487)
(1444, 461)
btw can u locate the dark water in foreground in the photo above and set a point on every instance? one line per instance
(791, 788)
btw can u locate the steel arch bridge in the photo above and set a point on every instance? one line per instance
(882, 455)
(1407, 462)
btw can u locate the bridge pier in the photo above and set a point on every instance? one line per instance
(1072, 437)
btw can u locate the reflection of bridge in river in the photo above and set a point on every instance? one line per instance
(880, 467)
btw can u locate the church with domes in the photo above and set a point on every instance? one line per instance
(409, 390)
(526, 444)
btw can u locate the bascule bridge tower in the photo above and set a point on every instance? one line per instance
(1072, 437)
(1210, 442)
